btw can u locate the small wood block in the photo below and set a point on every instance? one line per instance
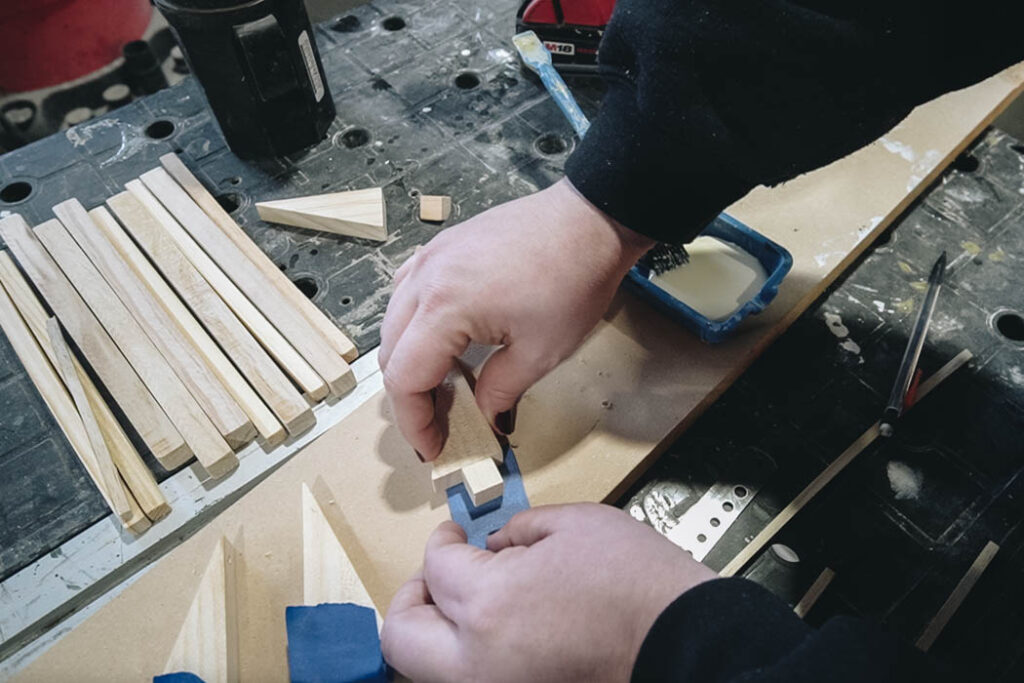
(206, 201)
(358, 213)
(435, 208)
(471, 449)
(207, 644)
(117, 375)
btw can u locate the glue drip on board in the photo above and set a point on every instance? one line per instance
(718, 279)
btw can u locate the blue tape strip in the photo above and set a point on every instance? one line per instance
(480, 522)
(334, 643)
(177, 677)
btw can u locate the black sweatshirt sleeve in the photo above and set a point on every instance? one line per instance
(733, 630)
(709, 98)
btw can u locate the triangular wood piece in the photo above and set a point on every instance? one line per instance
(327, 573)
(207, 644)
(359, 213)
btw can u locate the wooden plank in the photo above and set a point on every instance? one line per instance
(273, 341)
(250, 279)
(190, 367)
(830, 472)
(65, 367)
(195, 427)
(469, 444)
(956, 598)
(266, 377)
(57, 399)
(356, 213)
(809, 599)
(206, 201)
(113, 370)
(207, 644)
(133, 470)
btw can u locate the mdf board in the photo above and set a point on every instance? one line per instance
(569, 447)
(206, 201)
(114, 371)
(250, 279)
(198, 293)
(272, 340)
(195, 427)
(187, 364)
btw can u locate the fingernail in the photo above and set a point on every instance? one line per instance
(419, 455)
(506, 421)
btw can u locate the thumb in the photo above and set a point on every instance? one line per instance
(504, 378)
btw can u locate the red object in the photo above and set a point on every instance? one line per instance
(570, 29)
(911, 397)
(47, 42)
(593, 13)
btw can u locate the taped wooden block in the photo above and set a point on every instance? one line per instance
(357, 213)
(435, 208)
(470, 449)
(207, 644)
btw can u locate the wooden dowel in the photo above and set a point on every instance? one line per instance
(956, 598)
(814, 592)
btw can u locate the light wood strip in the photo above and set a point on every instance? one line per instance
(195, 427)
(129, 463)
(206, 201)
(956, 598)
(190, 367)
(809, 599)
(273, 341)
(113, 370)
(355, 213)
(56, 397)
(334, 370)
(266, 377)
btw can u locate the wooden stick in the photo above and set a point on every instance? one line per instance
(814, 592)
(830, 472)
(195, 427)
(273, 341)
(133, 470)
(206, 201)
(355, 213)
(198, 377)
(251, 280)
(99, 349)
(956, 598)
(260, 415)
(266, 377)
(56, 397)
(104, 463)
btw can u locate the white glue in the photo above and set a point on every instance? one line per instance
(718, 279)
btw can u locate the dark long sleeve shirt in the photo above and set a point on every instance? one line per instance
(732, 630)
(709, 98)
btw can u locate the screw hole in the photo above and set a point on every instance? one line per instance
(228, 201)
(355, 137)
(740, 491)
(1010, 325)
(347, 24)
(966, 163)
(393, 24)
(727, 506)
(701, 538)
(314, 252)
(346, 301)
(715, 521)
(467, 80)
(307, 286)
(15, 192)
(160, 130)
(550, 144)
(234, 181)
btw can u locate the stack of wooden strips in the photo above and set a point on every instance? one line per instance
(199, 339)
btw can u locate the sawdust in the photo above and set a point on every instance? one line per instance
(904, 480)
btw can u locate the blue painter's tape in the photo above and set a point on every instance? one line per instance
(177, 677)
(480, 522)
(334, 643)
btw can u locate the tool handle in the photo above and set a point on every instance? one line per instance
(563, 98)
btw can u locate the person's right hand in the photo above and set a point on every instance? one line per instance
(533, 276)
(563, 593)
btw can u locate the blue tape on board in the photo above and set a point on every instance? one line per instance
(480, 522)
(177, 677)
(334, 643)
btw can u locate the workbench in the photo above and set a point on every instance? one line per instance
(406, 123)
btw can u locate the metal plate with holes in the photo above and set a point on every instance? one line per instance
(701, 527)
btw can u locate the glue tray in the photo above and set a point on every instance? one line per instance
(773, 257)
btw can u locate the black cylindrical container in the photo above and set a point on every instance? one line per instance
(259, 67)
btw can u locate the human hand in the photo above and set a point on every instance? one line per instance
(533, 275)
(563, 593)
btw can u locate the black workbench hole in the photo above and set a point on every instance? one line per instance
(966, 163)
(467, 80)
(229, 201)
(346, 301)
(160, 129)
(1011, 325)
(347, 24)
(15, 192)
(234, 181)
(393, 24)
(551, 144)
(1018, 148)
(355, 137)
(307, 286)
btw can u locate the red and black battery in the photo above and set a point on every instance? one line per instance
(570, 29)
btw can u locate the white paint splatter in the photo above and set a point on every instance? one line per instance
(922, 167)
(499, 55)
(851, 346)
(465, 52)
(1017, 375)
(904, 480)
(898, 148)
(835, 325)
(880, 305)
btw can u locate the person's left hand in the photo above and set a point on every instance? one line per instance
(563, 593)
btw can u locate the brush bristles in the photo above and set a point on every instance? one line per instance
(664, 257)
